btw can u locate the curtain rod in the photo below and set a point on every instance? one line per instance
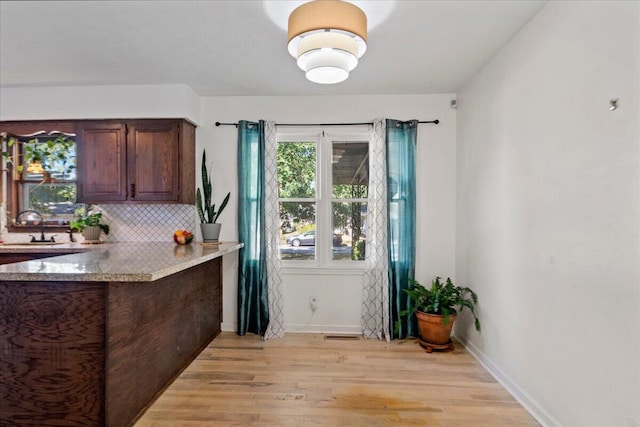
(327, 124)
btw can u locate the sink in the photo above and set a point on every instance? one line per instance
(34, 244)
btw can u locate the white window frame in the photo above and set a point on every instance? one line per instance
(323, 138)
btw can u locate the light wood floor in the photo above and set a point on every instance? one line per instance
(307, 380)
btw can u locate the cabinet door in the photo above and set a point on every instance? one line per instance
(153, 161)
(102, 160)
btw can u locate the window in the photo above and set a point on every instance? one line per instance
(43, 179)
(350, 191)
(323, 189)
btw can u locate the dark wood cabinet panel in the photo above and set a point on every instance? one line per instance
(99, 353)
(187, 163)
(153, 167)
(102, 160)
(165, 324)
(147, 161)
(52, 346)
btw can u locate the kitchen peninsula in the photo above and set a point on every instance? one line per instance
(92, 338)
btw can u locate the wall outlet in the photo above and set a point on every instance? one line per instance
(313, 303)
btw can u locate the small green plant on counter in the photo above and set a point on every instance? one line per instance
(86, 218)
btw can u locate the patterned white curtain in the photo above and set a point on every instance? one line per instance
(275, 329)
(375, 298)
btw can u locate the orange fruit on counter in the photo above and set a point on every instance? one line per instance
(182, 237)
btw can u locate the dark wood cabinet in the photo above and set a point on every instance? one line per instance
(98, 354)
(102, 162)
(147, 161)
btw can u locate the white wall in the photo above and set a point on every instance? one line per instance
(100, 102)
(548, 213)
(339, 296)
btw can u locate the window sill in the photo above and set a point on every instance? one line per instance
(323, 270)
(36, 228)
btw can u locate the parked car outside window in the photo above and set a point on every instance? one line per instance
(304, 239)
(309, 239)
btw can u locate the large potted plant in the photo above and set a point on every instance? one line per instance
(206, 209)
(436, 309)
(90, 225)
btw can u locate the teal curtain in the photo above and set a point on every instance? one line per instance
(401, 198)
(253, 304)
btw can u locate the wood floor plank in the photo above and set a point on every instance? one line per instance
(307, 380)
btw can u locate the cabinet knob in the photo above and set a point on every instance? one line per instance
(133, 190)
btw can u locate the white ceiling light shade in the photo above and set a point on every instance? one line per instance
(327, 37)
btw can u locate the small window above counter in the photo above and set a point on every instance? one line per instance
(41, 176)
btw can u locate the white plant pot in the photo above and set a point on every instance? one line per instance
(91, 233)
(210, 232)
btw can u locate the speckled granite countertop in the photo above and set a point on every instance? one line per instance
(65, 248)
(110, 262)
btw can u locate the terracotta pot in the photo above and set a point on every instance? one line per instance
(432, 328)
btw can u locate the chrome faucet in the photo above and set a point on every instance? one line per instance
(33, 238)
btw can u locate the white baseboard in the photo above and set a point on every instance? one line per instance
(229, 327)
(530, 404)
(292, 328)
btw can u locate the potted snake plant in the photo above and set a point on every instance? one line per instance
(206, 208)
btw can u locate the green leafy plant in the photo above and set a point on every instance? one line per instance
(86, 218)
(441, 298)
(55, 154)
(206, 210)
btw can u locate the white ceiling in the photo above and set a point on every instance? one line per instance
(234, 48)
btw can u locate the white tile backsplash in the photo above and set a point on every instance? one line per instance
(132, 223)
(147, 223)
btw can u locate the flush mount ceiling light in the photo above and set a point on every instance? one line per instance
(327, 37)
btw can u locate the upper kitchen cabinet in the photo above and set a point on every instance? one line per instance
(144, 161)
(102, 162)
